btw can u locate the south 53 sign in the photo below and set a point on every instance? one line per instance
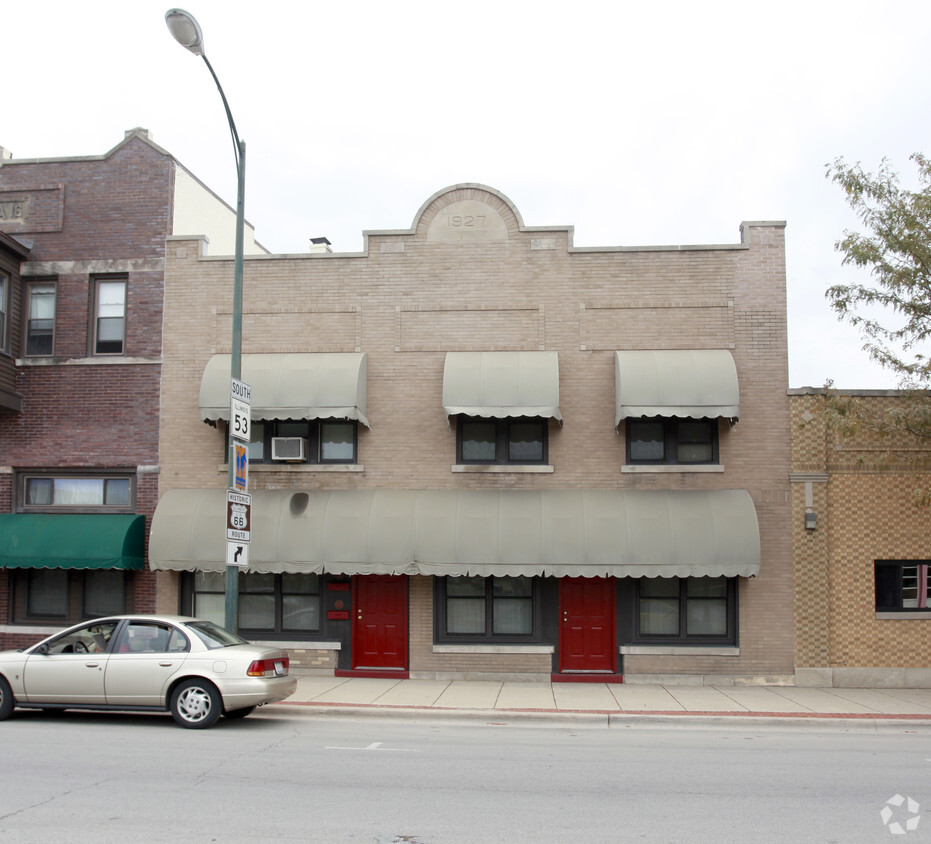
(240, 410)
(240, 426)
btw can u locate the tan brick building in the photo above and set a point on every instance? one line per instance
(478, 450)
(861, 550)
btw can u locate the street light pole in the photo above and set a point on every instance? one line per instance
(187, 32)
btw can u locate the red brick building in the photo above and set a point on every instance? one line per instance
(82, 251)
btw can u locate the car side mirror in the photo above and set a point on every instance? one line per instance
(42, 649)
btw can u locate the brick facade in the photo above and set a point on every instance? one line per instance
(78, 220)
(415, 295)
(862, 491)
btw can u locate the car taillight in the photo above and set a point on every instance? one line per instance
(269, 667)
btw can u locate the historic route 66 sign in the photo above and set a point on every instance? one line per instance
(238, 516)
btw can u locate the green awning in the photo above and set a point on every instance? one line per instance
(72, 541)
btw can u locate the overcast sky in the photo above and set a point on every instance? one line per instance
(638, 124)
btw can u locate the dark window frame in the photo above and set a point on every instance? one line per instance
(269, 428)
(889, 586)
(489, 637)
(190, 591)
(28, 335)
(683, 637)
(671, 441)
(6, 292)
(502, 428)
(96, 317)
(25, 476)
(75, 596)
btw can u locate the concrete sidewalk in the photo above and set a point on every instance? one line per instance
(473, 697)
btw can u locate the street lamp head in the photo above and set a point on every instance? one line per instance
(185, 30)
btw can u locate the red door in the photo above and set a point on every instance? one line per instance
(587, 638)
(379, 627)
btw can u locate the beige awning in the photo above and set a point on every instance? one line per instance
(624, 533)
(297, 386)
(502, 384)
(689, 384)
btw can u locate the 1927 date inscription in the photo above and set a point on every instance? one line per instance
(465, 221)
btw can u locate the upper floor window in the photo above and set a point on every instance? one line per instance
(902, 585)
(109, 316)
(77, 493)
(518, 440)
(40, 318)
(4, 311)
(666, 440)
(308, 441)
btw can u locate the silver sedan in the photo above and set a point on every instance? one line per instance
(195, 669)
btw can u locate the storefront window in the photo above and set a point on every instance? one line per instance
(482, 608)
(268, 603)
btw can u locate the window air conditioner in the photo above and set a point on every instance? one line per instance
(289, 448)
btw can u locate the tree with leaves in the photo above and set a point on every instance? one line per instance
(892, 309)
(896, 248)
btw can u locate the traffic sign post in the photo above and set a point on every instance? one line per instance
(238, 501)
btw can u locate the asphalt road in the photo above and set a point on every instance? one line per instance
(75, 777)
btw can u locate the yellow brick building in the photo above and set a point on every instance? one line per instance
(861, 558)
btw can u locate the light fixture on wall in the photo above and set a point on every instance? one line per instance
(811, 520)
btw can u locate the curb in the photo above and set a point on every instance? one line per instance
(601, 718)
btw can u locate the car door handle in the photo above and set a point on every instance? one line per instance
(92, 665)
(166, 664)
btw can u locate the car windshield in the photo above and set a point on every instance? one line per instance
(214, 636)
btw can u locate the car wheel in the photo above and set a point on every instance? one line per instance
(6, 699)
(239, 713)
(196, 704)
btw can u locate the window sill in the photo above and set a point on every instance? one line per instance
(34, 629)
(297, 646)
(667, 468)
(100, 360)
(298, 468)
(895, 616)
(679, 650)
(493, 649)
(502, 468)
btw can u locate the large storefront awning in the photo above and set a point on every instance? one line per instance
(72, 541)
(501, 384)
(686, 384)
(622, 533)
(298, 386)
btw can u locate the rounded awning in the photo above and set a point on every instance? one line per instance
(501, 384)
(687, 384)
(289, 386)
(596, 533)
